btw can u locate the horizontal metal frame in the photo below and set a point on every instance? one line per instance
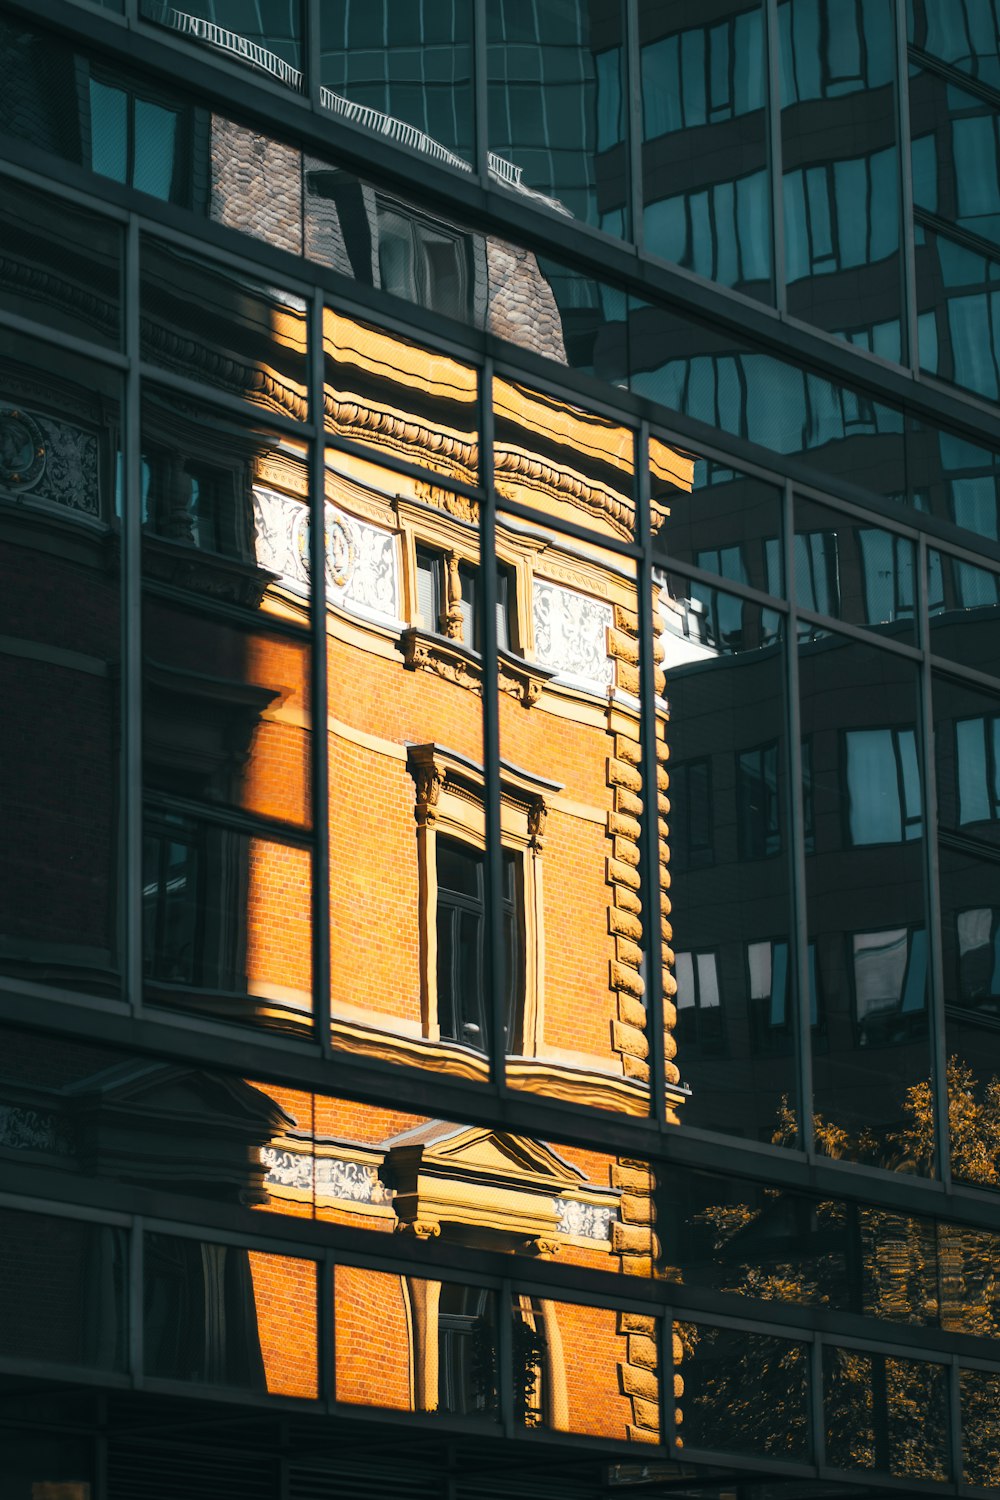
(485, 206)
(253, 255)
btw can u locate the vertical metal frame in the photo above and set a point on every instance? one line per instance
(632, 97)
(649, 851)
(326, 1331)
(932, 878)
(504, 1304)
(130, 584)
(496, 1007)
(311, 58)
(480, 94)
(910, 350)
(774, 152)
(319, 761)
(135, 1293)
(795, 813)
(955, 1455)
(814, 1396)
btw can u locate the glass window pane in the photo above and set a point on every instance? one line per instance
(401, 70)
(437, 1344)
(64, 1291)
(704, 155)
(60, 666)
(964, 603)
(885, 1414)
(980, 1397)
(727, 820)
(865, 894)
(556, 116)
(742, 1392)
(841, 170)
(958, 131)
(586, 1370)
(374, 378)
(222, 1315)
(853, 571)
(716, 517)
(266, 37)
(59, 264)
(967, 735)
(405, 726)
(571, 757)
(960, 32)
(211, 325)
(958, 295)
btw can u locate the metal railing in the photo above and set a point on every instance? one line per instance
(375, 120)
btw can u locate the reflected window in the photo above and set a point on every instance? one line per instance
(757, 802)
(423, 261)
(890, 982)
(978, 934)
(691, 844)
(827, 52)
(977, 745)
(170, 897)
(448, 599)
(883, 785)
(888, 563)
(134, 140)
(817, 572)
(466, 1350)
(461, 944)
(700, 1000)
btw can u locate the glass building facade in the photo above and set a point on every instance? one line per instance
(418, 418)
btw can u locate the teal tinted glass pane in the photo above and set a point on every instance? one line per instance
(705, 181)
(962, 132)
(958, 298)
(954, 479)
(402, 69)
(964, 604)
(265, 35)
(155, 138)
(728, 385)
(108, 131)
(854, 571)
(965, 33)
(841, 170)
(555, 102)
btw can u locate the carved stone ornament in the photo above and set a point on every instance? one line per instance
(421, 1229)
(537, 814)
(22, 450)
(585, 1220)
(447, 659)
(429, 781)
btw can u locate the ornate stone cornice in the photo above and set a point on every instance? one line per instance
(425, 651)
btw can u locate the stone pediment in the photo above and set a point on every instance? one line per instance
(465, 1179)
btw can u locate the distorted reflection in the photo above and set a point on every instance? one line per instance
(213, 325)
(398, 398)
(967, 732)
(885, 1414)
(865, 892)
(60, 679)
(841, 170)
(743, 1392)
(226, 715)
(706, 200)
(269, 38)
(59, 264)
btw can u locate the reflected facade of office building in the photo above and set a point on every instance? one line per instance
(498, 953)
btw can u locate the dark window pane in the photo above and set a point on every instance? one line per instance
(961, 32)
(958, 294)
(64, 1291)
(716, 517)
(865, 894)
(980, 1397)
(855, 572)
(59, 264)
(841, 166)
(964, 604)
(240, 336)
(885, 1414)
(222, 1315)
(729, 895)
(955, 155)
(60, 501)
(743, 1392)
